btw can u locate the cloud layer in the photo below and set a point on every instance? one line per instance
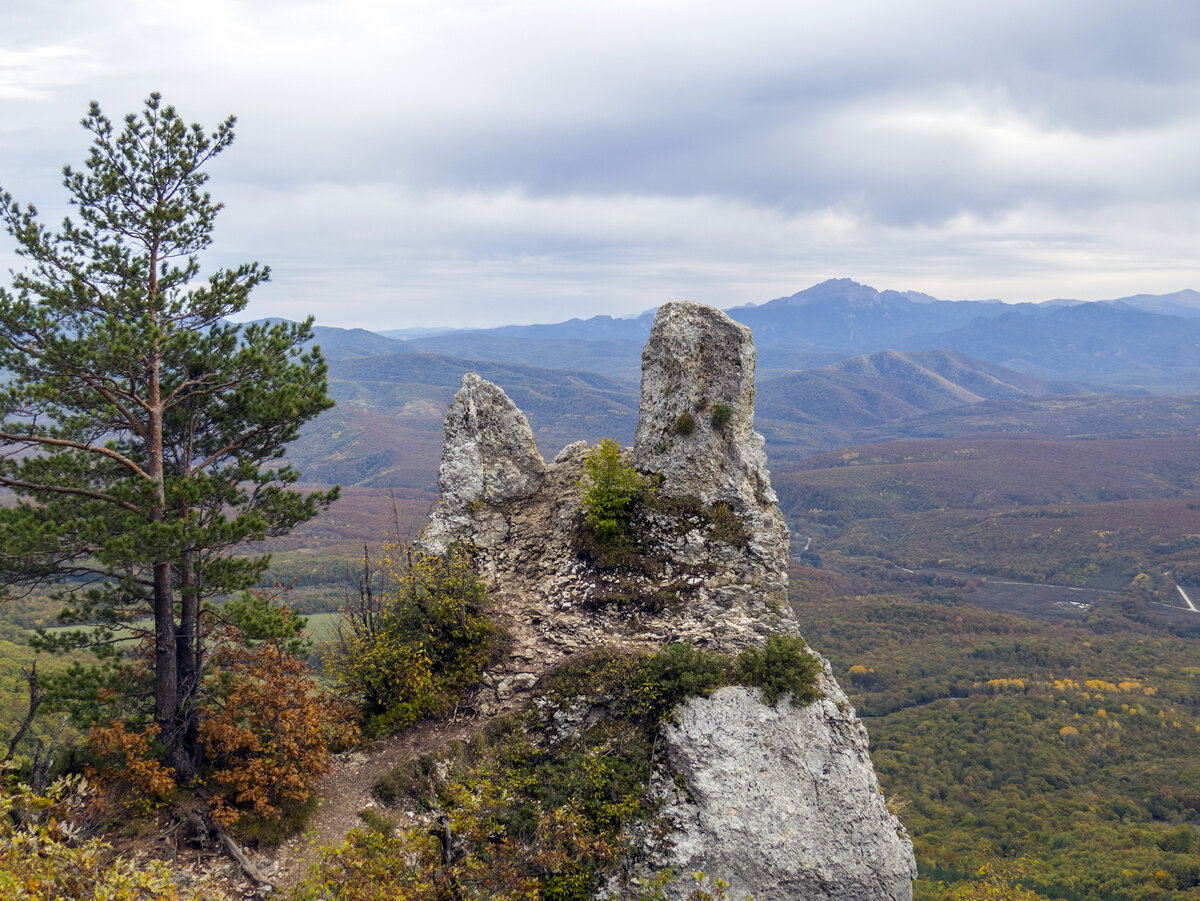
(456, 162)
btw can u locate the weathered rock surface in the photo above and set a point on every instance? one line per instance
(697, 360)
(696, 428)
(489, 458)
(781, 802)
(808, 821)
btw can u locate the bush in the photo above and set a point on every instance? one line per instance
(784, 666)
(611, 491)
(125, 764)
(44, 854)
(721, 415)
(531, 808)
(427, 639)
(267, 729)
(685, 423)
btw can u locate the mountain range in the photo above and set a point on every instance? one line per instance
(839, 363)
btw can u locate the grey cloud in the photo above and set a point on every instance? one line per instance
(575, 154)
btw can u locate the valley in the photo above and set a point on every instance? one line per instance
(1001, 541)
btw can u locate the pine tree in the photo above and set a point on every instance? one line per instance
(140, 427)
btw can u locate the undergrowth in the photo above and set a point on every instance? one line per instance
(542, 803)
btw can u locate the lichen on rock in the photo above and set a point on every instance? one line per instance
(780, 801)
(699, 363)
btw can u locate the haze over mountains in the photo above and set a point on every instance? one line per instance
(839, 363)
(1147, 342)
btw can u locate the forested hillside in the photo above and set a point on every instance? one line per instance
(991, 561)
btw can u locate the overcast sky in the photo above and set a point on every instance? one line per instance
(480, 162)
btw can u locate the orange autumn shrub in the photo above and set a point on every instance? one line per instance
(126, 766)
(267, 729)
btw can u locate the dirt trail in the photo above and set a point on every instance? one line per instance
(347, 790)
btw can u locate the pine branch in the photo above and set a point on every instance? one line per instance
(46, 440)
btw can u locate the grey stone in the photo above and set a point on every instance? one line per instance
(696, 361)
(489, 458)
(781, 802)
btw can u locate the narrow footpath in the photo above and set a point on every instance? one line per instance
(348, 789)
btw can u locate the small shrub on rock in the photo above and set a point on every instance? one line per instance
(783, 666)
(611, 490)
(685, 423)
(540, 804)
(721, 415)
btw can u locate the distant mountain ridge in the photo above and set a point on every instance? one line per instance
(1146, 343)
(816, 409)
(839, 364)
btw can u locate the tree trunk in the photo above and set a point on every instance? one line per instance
(166, 671)
(188, 659)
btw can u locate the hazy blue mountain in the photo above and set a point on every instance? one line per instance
(1101, 343)
(839, 363)
(336, 343)
(1181, 303)
(386, 429)
(842, 316)
(1132, 343)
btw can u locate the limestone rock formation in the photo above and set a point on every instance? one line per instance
(781, 802)
(711, 551)
(696, 428)
(489, 458)
(696, 415)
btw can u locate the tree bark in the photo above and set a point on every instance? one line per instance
(187, 658)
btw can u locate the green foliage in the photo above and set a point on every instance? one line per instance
(257, 617)
(784, 666)
(1003, 736)
(623, 521)
(45, 853)
(721, 415)
(410, 655)
(680, 671)
(726, 525)
(611, 491)
(533, 808)
(141, 426)
(376, 821)
(685, 423)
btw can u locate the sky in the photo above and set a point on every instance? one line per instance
(482, 162)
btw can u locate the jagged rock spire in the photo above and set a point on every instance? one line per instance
(781, 801)
(489, 458)
(696, 416)
(696, 429)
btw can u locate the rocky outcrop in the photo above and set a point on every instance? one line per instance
(696, 429)
(489, 459)
(780, 801)
(696, 415)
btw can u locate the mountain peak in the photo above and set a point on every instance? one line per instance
(837, 289)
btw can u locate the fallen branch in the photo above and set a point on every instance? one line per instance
(206, 825)
(233, 850)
